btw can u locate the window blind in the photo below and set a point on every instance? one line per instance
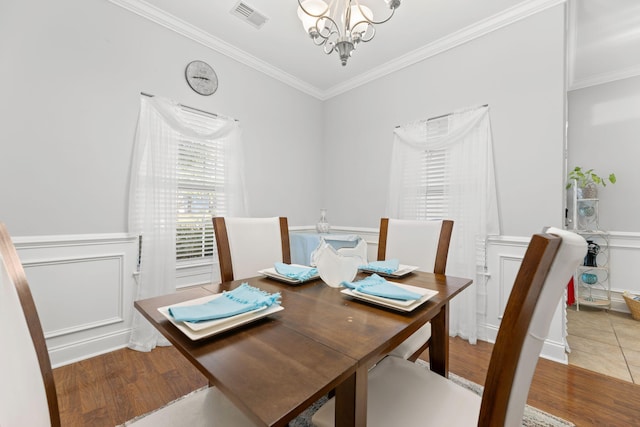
(201, 184)
(431, 200)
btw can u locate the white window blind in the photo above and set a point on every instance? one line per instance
(431, 203)
(201, 184)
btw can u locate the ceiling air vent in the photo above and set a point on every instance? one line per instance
(249, 14)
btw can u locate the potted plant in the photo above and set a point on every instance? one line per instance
(587, 182)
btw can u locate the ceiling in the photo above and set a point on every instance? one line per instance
(418, 30)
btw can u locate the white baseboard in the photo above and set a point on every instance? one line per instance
(85, 349)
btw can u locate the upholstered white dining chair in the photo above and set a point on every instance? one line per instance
(27, 389)
(246, 245)
(424, 244)
(403, 393)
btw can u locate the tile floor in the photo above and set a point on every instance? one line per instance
(604, 341)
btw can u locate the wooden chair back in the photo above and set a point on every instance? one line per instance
(27, 389)
(246, 245)
(424, 244)
(402, 393)
(548, 264)
(414, 242)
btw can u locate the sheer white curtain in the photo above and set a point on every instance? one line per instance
(153, 197)
(469, 198)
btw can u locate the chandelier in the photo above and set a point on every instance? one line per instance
(340, 25)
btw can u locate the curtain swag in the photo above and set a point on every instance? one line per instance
(469, 198)
(153, 196)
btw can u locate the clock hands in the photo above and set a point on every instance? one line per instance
(201, 77)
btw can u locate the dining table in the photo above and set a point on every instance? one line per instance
(322, 341)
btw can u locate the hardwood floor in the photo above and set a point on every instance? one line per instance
(110, 389)
(583, 397)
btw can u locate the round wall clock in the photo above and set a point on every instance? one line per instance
(201, 77)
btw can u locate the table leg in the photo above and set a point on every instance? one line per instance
(439, 347)
(351, 400)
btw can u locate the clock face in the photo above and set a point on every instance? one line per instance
(201, 77)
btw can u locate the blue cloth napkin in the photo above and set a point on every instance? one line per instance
(387, 266)
(240, 300)
(376, 285)
(295, 272)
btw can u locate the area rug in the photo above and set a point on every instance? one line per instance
(532, 417)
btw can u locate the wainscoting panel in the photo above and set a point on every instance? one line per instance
(98, 279)
(83, 288)
(624, 260)
(509, 266)
(504, 257)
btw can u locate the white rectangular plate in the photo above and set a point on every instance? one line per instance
(198, 326)
(273, 274)
(394, 303)
(199, 330)
(402, 270)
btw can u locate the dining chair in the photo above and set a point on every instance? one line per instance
(403, 393)
(27, 391)
(246, 245)
(424, 244)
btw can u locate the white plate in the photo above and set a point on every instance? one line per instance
(196, 330)
(402, 270)
(394, 303)
(198, 326)
(272, 273)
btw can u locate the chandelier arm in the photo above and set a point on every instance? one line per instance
(329, 30)
(371, 21)
(329, 47)
(371, 27)
(342, 39)
(319, 41)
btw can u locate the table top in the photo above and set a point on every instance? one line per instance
(275, 367)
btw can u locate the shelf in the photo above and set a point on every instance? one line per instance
(600, 303)
(586, 267)
(591, 282)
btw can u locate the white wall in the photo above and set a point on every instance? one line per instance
(71, 73)
(604, 134)
(70, 78)
(517, 70)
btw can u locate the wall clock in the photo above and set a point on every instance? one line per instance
(201, 77)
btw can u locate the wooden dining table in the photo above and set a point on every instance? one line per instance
(275, 367)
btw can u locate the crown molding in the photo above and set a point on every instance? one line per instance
(160, 17)
(603, 78)
(481, 28)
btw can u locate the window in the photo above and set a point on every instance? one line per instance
(201, 188)
(430, 197)
(443, 168)
(187, 166)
